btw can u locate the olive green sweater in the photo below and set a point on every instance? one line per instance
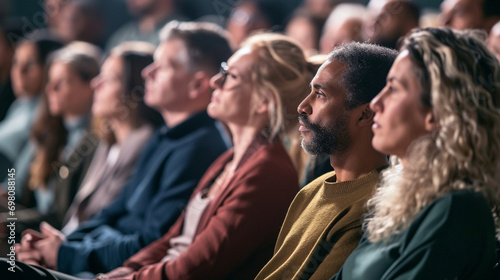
(322, 227)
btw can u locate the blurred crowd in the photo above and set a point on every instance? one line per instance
(169, 135)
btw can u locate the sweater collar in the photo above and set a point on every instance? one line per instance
(341, 188)
(191, 124)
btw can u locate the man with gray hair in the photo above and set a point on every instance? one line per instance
(173, 161)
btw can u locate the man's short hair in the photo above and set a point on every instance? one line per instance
(491, 8)
(367, 67)
(206, 43)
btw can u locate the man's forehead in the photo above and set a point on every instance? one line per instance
(329, 72)
(172, 50)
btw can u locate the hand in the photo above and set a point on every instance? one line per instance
(26, 251)
(119, 272)
(49, 247)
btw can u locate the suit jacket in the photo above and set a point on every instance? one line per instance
(166, 174)
(102, 183)
(237, 232)
(68, 178)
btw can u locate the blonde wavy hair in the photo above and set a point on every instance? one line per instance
(460, 80)
(282, 73)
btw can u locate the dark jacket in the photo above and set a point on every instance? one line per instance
(167, 172)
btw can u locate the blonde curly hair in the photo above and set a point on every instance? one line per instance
(460, 80)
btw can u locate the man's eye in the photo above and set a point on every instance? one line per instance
(319, 93)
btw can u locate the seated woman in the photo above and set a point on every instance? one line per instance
(433, 215)
(232, 220)
(125, 124)
(28, 82)
(64, 145)
(231, 223)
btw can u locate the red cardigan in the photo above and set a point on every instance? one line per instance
(237, 233)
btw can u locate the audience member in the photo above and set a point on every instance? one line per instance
(344, 25)
(151, 16)
(169, 168)
(494, 40)
(230, 226)
(251, 16)
(125, 125)
(393, 21)
(321, 9)
(81, 20)
(63, 144)
(10, 32)
(323, 224)
(306, 30)
(52, 12)
(28, 82)
(470, 14)
(431, 217)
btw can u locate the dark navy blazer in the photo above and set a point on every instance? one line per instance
(165, 175)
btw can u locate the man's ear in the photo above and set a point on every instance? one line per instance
(431, 122)
(366, 116)
(199, 84)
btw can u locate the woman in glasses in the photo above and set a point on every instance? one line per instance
(433, 215)
(230, 225)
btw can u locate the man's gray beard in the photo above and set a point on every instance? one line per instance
(331, 140)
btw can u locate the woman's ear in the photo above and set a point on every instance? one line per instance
(366, 116)
(262, 105)
(431, 122)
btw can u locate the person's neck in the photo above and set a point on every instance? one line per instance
(121, 130)
(242, 139)
(174, 118)
(356, 162)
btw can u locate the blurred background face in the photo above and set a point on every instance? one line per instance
(462, 14)
(304, 31)
(53, 12)
(109, 89)
(232, 99)
(320, 8)
(141, 7)
(26, 71)
(72, 22)
(386, 26)
(67, 93)
(80, 23)
(245, 19)
(335, 35)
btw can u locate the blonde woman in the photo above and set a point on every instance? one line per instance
(433, 215)
(230, 225)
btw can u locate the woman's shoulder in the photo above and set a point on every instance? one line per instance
(456, 212)
(462, 200)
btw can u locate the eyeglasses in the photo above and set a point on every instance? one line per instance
(224, 72)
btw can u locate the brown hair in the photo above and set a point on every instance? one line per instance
(135, 56)
(48, 131)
